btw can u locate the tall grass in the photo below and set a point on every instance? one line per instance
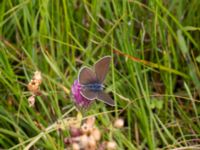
(154, 76)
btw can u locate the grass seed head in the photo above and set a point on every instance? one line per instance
(34, 84)
(91, 143)
(75, 146)
(88, 137)
(96, 134)
(86, 129)
(119, 123)
(31, 100)
(37, 77)
(75, 132)
(84, 140)
(90, 121)
(111, 145)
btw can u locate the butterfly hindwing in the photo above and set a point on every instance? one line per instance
(91, 95)
(105, 98)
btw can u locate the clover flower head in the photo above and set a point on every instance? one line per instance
(78, 99)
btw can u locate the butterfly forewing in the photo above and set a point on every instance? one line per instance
(101, 68)
(91, 95)
(86, 76)
(105, 98)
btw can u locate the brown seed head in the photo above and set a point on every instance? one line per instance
(33, 86)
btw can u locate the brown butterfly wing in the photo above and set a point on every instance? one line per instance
(101, 68)
(102, 96)
(91, 95)
(86, 76)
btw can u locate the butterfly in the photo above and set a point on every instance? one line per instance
(91, 81)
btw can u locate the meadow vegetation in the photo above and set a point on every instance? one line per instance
(153, 78)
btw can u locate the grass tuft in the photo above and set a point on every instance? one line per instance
(154, 76)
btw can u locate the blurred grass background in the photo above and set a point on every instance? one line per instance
(154, 76)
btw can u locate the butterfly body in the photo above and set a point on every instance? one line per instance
(92, 81)
(93, 87)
